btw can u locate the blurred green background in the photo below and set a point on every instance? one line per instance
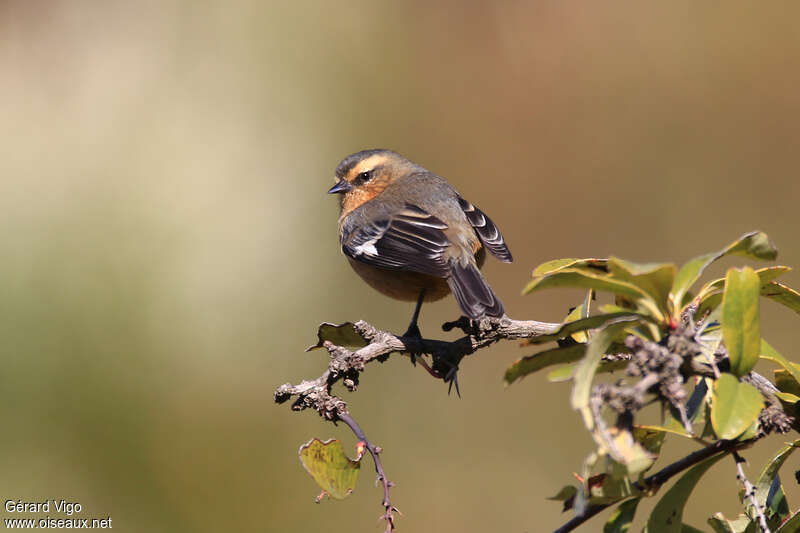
(167, 247)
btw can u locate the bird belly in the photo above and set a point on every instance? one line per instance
(401, 285)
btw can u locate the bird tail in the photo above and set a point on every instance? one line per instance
(472, 293)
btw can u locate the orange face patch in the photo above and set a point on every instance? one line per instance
(354, 199)
(362, 193)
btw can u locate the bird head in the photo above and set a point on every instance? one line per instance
(362, 176)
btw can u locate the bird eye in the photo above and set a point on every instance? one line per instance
(363, 177)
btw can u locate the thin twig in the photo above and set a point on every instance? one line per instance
(750, 493)
(375, 452)
(659, 478)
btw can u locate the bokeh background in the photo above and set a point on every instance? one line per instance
(167, 248)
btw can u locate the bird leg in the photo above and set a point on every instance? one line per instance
(449, 376)
(413, 328)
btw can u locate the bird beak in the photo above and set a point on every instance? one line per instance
(340, 187)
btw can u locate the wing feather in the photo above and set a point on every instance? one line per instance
(487, 231)
(410, 239)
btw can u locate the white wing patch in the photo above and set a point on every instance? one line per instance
(367, 248)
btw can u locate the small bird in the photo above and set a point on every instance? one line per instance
(410, 235)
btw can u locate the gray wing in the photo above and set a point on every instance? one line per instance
(410, 239)
(487, 232)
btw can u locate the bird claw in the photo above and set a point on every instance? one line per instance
(452, 379)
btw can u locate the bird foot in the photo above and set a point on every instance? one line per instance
(413, 332)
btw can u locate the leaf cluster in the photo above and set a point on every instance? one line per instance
(690, 350)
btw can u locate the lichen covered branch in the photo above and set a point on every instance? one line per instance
(346, 365)
(750, 493)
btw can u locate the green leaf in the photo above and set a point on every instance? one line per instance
(650, 438)
(339, 334)
(582, 324)
(620, 520)
(710, 295)
(786, 382)
(560, 264)
(586, 369)
(751, 431)
(565, 372)
(755, 244)
(629, 458)
(567, 495)
(708, 430)
(607, 489)
(538, 361)
(330, 467)
(582, 311)
(583, 279)
(776, 505)
(576, 314)
(673, 429)
(689, 274)
(740, 319)
(562, 373)
(787, 397)
(792, 525)
(709, 302)
(599, 281)
(567, 492)
(723, 525)
(735, 406)
(667, 515)
(611, 309)
(779, 293)
(765, 275)
(771, 354)
(772, 290)
(653, 278)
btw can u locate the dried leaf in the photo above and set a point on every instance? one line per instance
(330, 467)
(339, 334)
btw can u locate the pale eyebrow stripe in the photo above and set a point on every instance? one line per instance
(369, 163)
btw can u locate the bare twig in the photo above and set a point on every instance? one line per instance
(375, 452)
(750, 493)
(659, 478)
